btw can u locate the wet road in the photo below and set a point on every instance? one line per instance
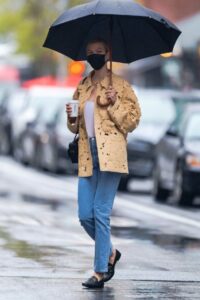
(45, 254)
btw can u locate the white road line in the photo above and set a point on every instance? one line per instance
(122, 203)
(69, 188)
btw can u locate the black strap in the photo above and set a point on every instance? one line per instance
(77, 128)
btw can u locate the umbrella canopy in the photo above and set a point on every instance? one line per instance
(132, 31)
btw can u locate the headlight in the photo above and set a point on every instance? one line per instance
(193, 161)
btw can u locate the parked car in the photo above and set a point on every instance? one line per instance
(46, 139)
(54, 137)
(38, 98)
(157, 113)
(177, 168)
(13, 106)
(6, 90)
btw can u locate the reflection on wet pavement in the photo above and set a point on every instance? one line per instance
(45, 254)
(23, 249)
(62, 289)
(166, 241)
(53, 203)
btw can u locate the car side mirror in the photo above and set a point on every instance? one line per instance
(172, 132)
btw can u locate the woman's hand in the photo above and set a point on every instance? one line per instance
(68, 111)
(111, 94)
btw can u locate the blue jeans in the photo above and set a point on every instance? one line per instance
(95, 201)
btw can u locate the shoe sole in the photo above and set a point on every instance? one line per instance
(92, 287)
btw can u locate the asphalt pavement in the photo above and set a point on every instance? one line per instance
(45, 253)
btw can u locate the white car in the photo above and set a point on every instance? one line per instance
(37, 98)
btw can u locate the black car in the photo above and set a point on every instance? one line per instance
(157, 113)
(177, 170)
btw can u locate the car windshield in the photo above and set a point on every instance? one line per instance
(156, 108)
(2, 95)
(181, 106)
(62, 118)
(17, 102)
(192, 131)
(49, 112)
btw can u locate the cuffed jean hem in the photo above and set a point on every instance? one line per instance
(100, 270)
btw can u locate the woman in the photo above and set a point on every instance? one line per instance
(106, 115)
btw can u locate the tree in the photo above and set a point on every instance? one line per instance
(28, 22)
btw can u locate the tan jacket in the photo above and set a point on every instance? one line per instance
(112, 125)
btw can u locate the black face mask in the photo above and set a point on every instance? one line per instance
(97, 61)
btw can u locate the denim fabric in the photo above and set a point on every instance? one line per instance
(95, 201)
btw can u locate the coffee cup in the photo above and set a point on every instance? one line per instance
(74, 106)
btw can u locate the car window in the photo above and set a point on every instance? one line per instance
(183, 106)
(49, 111)
(62, 117)
(156, 108)
(17, 102)
(3, 95)
(192, 131)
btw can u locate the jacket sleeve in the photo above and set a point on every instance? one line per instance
(73, 127)
(125, 112)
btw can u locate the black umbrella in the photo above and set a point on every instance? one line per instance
(132, 31)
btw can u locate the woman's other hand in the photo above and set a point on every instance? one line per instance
(111, 94)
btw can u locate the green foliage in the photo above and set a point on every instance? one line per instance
(76, 2)
(29, 21)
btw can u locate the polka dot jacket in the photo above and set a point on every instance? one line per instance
(112, 124)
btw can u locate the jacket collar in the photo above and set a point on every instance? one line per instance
(104, 82)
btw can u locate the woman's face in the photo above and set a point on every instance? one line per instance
(97, 48)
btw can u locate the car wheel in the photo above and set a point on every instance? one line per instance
(17, 151)
(160, 193)
(70, 169)
(123, 184)
(180, 195)
(49, 158)
(38, 161)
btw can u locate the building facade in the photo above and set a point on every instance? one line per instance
(174, 10)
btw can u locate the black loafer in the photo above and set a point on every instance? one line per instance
(93, 282)
(111, 267)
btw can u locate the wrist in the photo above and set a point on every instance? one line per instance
(72, 120)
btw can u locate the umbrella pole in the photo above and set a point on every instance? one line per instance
(110, 46)
(110, 79)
